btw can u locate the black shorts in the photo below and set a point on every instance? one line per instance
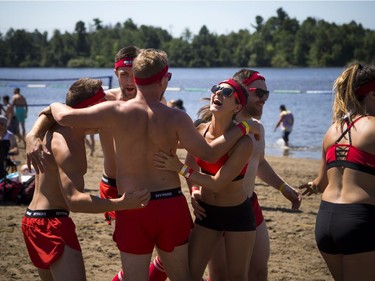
(233, 218)
(345, 228)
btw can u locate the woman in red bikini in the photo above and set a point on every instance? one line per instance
(345, 225)
(228, 209)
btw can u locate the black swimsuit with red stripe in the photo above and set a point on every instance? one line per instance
(347, 155)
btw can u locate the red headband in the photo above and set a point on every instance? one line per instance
(98, 97)
(125, 62)
(240, 94)
(255, 76)
(151, 79)
(365, 89)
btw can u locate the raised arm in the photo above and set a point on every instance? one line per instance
(194, 142)
(95, 116)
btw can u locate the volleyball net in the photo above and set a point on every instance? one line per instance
(42, 91)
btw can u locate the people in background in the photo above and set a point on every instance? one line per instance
(286, 120)
(20, 106)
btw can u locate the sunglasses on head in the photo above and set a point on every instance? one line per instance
(260, 92)
(169, 75)
(226, 92)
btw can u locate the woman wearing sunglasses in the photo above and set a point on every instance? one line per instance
(228, 210)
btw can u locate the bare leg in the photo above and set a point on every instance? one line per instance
(217, 266)
(45, 274)
(238, 248)
(176, 263)
(69, 267)
(259, 259)
(359, 266)
(334, 263)
(135, 267)
(202, 245)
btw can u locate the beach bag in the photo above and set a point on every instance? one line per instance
(27, 191)
(9, 190)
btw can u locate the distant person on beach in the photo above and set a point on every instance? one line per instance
(13, 124)
(152, 127)
(48, 230)
(9, 148)
(286, 120)
(258, 166)
(20, 106)
(345, 224)
(5, 134)
(228, 209)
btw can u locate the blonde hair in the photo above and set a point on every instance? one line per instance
(149, 62)
(346, 103)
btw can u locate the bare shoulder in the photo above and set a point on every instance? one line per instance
(113, 94)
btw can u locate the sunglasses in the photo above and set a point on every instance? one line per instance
(169, 75)
(226, 92)
(260, 92)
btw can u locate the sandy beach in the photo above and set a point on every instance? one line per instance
(294, 255)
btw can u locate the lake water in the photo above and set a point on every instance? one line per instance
(304, 91)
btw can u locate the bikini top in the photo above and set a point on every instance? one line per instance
(212, 168)
(347, 155)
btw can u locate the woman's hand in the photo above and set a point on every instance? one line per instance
(168, 162)
(309, 188)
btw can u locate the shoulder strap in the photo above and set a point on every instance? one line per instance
(347, 130)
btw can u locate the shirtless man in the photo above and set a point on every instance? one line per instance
(108, 189)
(49, 233)
(126, 91)
(151, 126)
(13, 124)
(286, 120)
(20, 108)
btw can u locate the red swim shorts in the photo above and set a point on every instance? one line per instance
(108, 190)
(46, 236)
(257, 210)
(165, 223)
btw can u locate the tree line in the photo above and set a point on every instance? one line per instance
(280, 41)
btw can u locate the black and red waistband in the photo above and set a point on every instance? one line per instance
(54, 213)
(109, 181)
(164, 194)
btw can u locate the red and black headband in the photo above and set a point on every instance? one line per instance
(151, 79)
(253, 77)
(125, 62)
(98, 97)
(237, 88)
(365, 89)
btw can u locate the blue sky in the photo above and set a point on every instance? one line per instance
(220, 17)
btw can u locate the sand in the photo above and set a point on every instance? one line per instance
(294, 255)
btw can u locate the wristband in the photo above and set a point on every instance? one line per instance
(183, 170)
(194, 188)
(188, 173)
(242, 127)
(282, 187)
(246, 126)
